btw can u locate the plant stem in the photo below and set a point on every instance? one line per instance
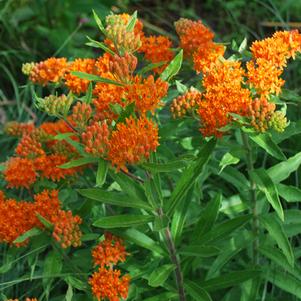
(253, 197)
(175, 260)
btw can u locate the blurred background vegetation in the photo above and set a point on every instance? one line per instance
(32, 30)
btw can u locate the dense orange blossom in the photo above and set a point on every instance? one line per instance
(106, 282)
(132, 142)
(157, 49)
(17, 217)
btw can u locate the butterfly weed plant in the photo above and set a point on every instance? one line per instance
(146, 184)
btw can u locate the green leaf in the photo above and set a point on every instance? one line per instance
(78, 162)
(289, 193)
(69, 294)
(181, 88)
(132, 22)
(172, 165)
(189, 176)
(161, 223)
(284, 281)
(45, 222)
(196, 292)
(281, 171)
(266, 142)
(142, 240)
(101, 45)
(275, 229)
(101, 173)
(30, 233)
(199, 251)
(95, 78)
(126, 112)
(243, 46)
(208, 217)
(173, 68)
(229, 280)
(164, 296)
(98, 22)
(52, 266)
(225, 228)
(113, 198)
(266, 185)
(122, 221)
(160, 275)
(228, 159)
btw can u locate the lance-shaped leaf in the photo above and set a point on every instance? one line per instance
(30, 233)
(96, 44)
(160, 275)
(98, 22)
(189, 176)
(132, 22)
(95, 78)
(78, 162)
(275, 229)
(196, 292)
(266, 185)
(122, 221)
(173, 68)
(101, 173)
(113, 198)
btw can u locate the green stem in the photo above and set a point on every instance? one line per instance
(175, 260)
(253, 197)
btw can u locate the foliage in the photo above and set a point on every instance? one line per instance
(161, 174)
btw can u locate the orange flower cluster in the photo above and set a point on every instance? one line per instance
(157, 49)
(74, 83)
(123, 67)
(17, 217)
(50, 70)
(186, 103)
(193, 34)
(146, 93)
(17, 129)
(66, 229)
(269, 58)
(81, 114)
(106, 282)
(132, 142)
(38, 155)
(20, 172)
(96, 138)
(109, 252)
(224, 94)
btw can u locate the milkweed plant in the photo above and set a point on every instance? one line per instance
(160, 173)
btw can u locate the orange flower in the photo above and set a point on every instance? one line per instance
(29, 147)
(74, 83)
(224, 94)
(20, 172)
(207, 55)
(109, 252)
(49, 168)
(15, 219)
(50, 70)
(132, 142)
(193, 34)
(146, 93)
(264, 76)
(27, 299)
(107, 95)
(55, 128)
(66, 229)
(185, 103)
(18, 129)
(157, 49)
(96, 138)
(109, 285)
(102, 64)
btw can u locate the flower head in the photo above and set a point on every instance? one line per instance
(50, 70)
(18, 129)
(132, 142)
(20, 172)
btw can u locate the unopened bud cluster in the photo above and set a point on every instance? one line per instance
(81, 113)
(278, 121)
(123, 67)
(57, 106)
(186, 103)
